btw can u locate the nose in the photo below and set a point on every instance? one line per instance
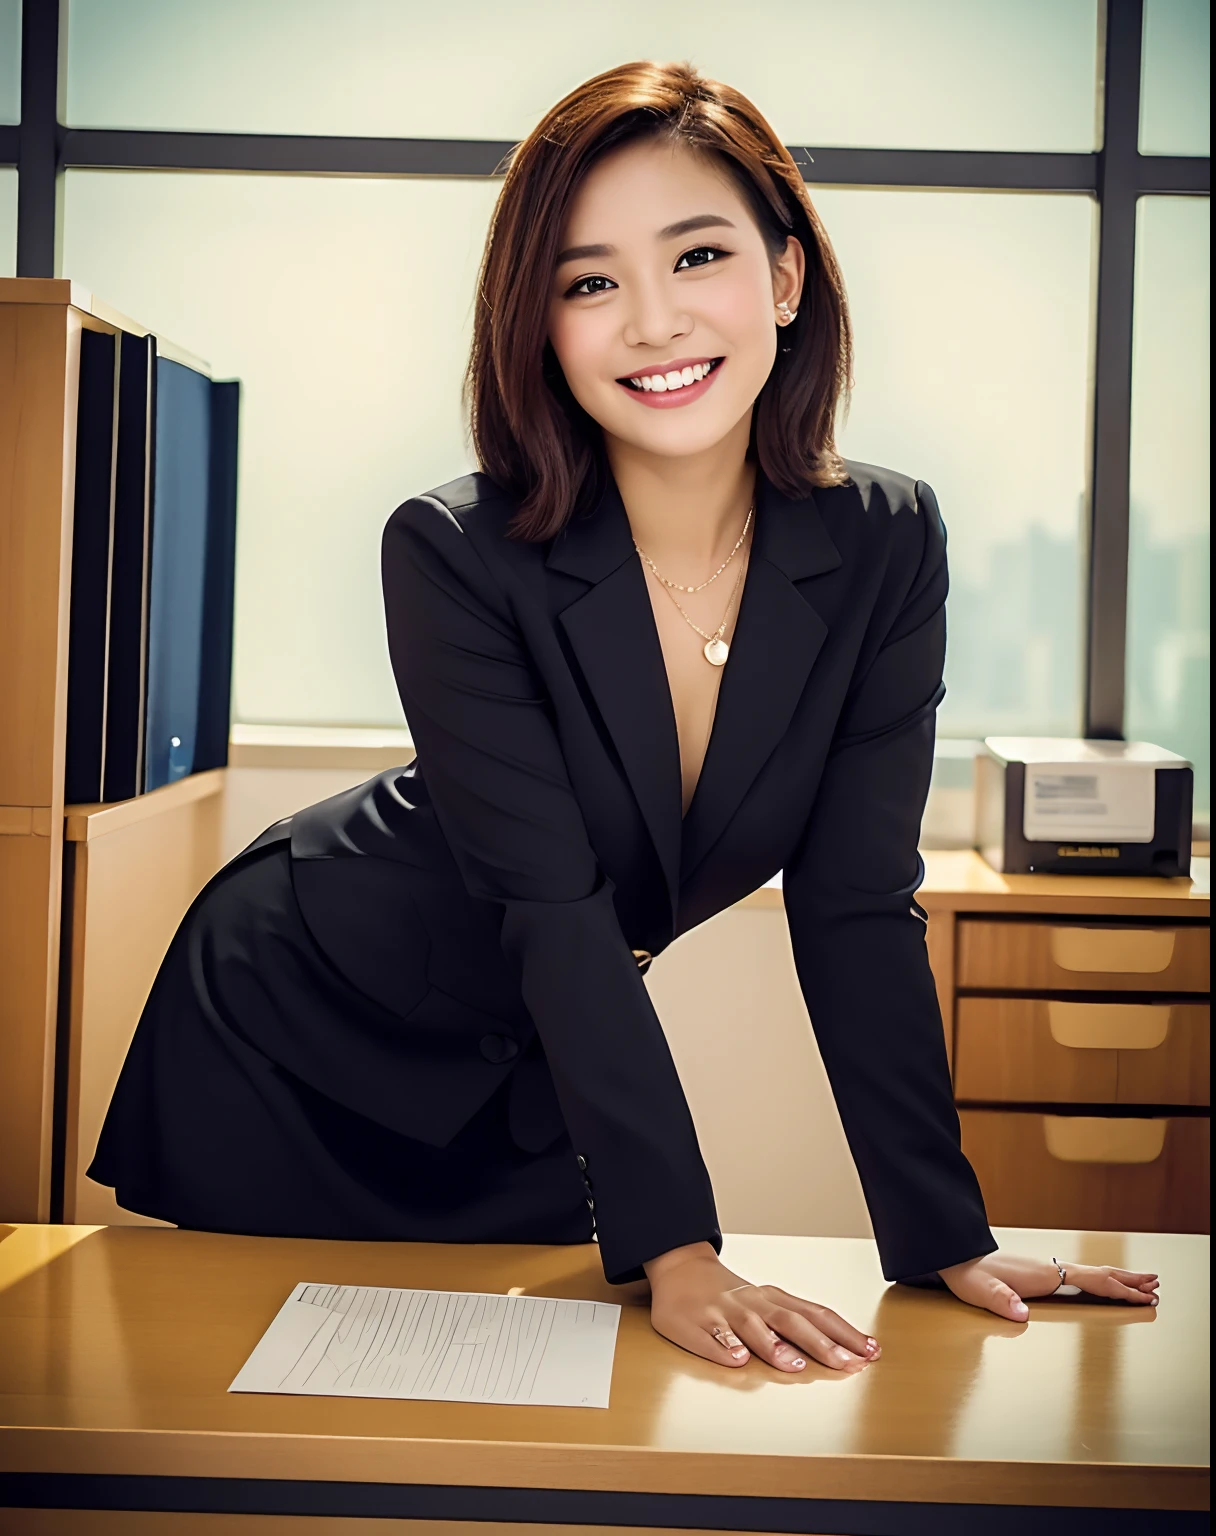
(656, 317)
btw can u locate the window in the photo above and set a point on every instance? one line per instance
(351, 388)
(973, 358)
(1175, 83)
(937, 74)
(987, 288)
(1169, 585)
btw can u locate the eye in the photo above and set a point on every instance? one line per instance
(588, 287)
(700, 256)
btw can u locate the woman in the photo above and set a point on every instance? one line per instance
(666, 644)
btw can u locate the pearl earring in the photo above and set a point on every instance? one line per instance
(786, 315)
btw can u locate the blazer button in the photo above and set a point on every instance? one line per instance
(498, 1048)
(643, 958)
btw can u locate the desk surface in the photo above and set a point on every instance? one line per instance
(960, 880)
(117, 1346)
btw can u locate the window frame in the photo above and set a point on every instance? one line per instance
(1116, 176)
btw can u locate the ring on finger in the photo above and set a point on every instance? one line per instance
(726, 1338)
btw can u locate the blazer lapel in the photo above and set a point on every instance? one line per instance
(612, 632)
(778, 636)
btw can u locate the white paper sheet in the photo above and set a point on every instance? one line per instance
(454, 1346)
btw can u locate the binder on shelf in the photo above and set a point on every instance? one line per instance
(181, 482)
(92, 537)
(126, 658)
(154, 547)
(215, 685)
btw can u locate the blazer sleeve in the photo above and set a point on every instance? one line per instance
(859, 937)
(499, 785)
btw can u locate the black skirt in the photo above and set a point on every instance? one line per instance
(217, 1125)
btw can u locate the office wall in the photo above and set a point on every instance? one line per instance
(8, 222)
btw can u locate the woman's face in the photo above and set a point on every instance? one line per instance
(663, 311)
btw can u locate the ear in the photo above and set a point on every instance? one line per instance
(789, 274)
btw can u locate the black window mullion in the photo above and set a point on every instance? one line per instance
(39, 179)
(1118, 179)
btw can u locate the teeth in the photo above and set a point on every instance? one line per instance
(677, 378)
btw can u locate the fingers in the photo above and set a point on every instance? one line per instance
(724, 1349)
(1140, 1280)
(769, 1346)
(1139, 1287)
(1110, 1285)
(786, 1339)
(816, 1329)
(831, 1323)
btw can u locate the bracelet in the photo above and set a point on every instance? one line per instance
(1062, 1272)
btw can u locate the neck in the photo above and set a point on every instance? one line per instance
(686, 512)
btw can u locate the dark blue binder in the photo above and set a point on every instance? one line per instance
(180, 509)
(92, 534)
(215, 682)
(126, 654)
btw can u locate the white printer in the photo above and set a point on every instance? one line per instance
(1059, 805)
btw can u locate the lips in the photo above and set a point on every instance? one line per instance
(679, 383)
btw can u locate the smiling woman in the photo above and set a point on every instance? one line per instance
(417, 1010)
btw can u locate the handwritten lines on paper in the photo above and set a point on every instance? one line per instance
(368, 1341)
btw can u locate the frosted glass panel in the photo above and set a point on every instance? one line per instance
(8, 222)
(965, 74)
(973, 317)
(344, 308)
(1169, 598)
(10, 61)
(1176, 78)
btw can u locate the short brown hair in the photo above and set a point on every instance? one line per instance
(530, 434)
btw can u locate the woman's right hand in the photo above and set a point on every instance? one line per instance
(693, 1292)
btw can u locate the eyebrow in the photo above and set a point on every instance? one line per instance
(669, 232)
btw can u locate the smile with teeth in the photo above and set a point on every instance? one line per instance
(660, 383)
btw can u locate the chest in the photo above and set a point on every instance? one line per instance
(693, 681)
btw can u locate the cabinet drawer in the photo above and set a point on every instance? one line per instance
(1092, 1174)
(1029, 1050)
(1070, 957)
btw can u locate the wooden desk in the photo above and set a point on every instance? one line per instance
(117, 1346)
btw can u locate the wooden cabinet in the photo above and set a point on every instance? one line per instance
(1078, 1019)
(1021, 1050)
(1085, 1171)
(46, 327)
(1080, 957)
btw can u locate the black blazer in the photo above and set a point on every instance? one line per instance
(539, 834)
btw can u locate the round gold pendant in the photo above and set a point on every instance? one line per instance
(716, 651)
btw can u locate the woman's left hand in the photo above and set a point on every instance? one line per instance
(999, 1281)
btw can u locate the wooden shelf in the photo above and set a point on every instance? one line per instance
(83, 823)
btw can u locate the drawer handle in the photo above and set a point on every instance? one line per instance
(1109, 1026)
(1142, 951)
(1082, 1139)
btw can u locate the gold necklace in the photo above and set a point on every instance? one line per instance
(715, 649)
(675, 585)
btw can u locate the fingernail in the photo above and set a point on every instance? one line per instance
(1153, 1300)
(871, 1346)
(843, 1356)
(740, 1353)
(1020, 1309)
(798, 1363)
